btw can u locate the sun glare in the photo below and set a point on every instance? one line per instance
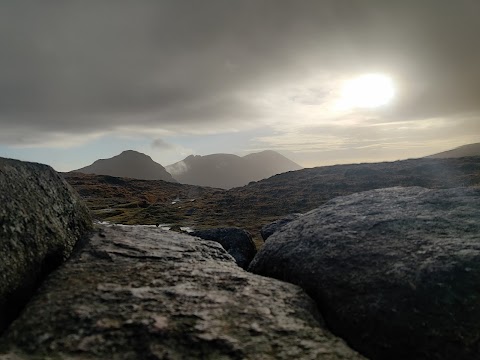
(367, 91)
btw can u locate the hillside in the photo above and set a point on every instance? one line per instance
(227, 170)
(148, 202)
(129, 164)
(462, 151)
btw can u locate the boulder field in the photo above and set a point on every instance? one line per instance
(41, 220)
(135, 292)
(389, 274)
(395, 272)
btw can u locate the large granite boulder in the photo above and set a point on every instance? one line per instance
(268, 229)
(41, 219)
(395, 272)
(147, 293)
(237, 242)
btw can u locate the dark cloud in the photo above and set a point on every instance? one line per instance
(75, 66)
(161, 144)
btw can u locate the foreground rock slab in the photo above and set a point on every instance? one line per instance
(395, 272)
(41, 219)
(147, 293)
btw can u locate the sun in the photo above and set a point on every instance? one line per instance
(367, 91)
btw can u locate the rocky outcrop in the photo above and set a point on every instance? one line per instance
(41, 219)
(237, 242)
(147, 293)
(269, 229)
(395, 272)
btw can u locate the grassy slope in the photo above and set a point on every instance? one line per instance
(132, 201)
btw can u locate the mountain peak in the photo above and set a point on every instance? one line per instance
(133, 153)
(130, 164)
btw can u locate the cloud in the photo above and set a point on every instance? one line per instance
(178, 168)
(427, 133)
(162, 144)
(80, 69)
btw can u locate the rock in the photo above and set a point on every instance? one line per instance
(144, 293)
(176, 228)
(269, 229)
(237, 242)
(395, 272)
(41, 219)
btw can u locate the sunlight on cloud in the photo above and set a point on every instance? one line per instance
(302, 142)
(367, 91)
(426, 133)
(332, 100)
(338, 112)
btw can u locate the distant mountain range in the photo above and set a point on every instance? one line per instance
(462, 151)
(129, 164)
(217, 170)
(227, 171)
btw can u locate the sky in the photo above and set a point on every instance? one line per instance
(83, 80)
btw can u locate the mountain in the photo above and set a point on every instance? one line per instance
(270, 163)
(462, 151)
(130, 164)
(227, 171)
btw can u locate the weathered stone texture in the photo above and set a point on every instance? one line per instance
(41, 219)
(395, 272)
(269, 229)
(147, 293)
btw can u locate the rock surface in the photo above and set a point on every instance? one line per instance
(147, 293)
(41, 219)
(237, 242)
(269, 229)
(395, 272)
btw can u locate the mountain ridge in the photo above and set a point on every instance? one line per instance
(227, 171)
(461, 151)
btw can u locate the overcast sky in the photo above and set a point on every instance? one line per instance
(82, 80)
